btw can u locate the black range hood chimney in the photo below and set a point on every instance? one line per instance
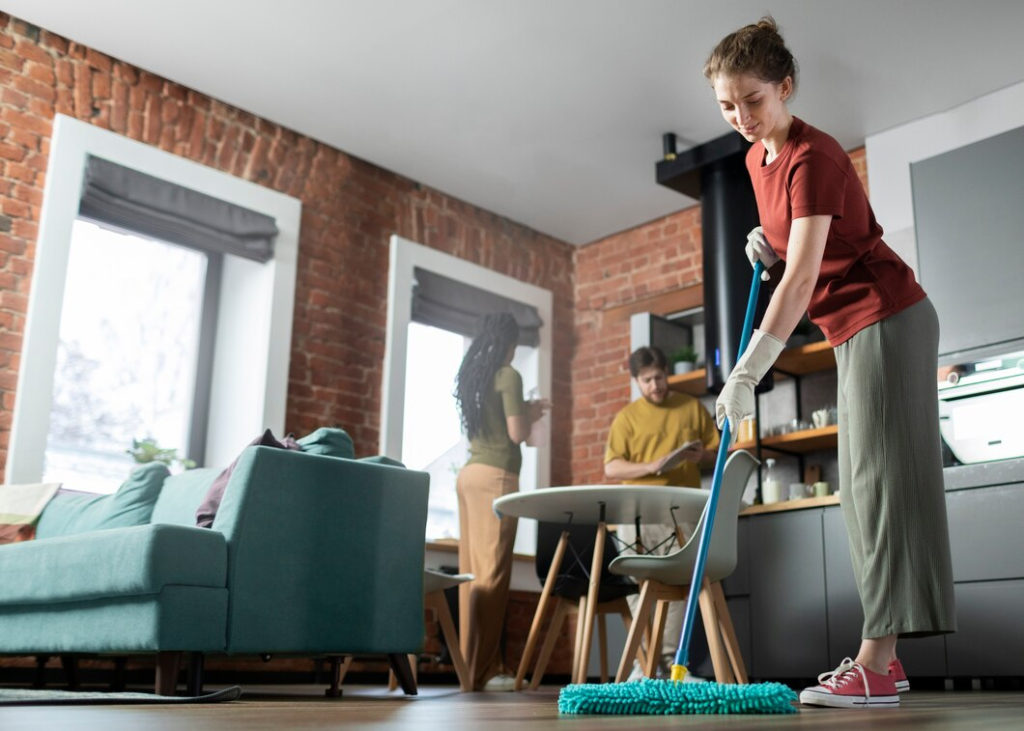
(715, 174)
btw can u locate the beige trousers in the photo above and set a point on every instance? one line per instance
(485, 550)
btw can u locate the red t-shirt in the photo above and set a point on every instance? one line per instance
(861, 280)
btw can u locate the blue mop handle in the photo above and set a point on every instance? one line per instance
(683, 653)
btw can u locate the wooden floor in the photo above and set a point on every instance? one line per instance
(304, 707)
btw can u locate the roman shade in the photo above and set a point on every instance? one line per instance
(457, 307)
(129, 200)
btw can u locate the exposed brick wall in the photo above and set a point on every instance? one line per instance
(350, 209)
(652, 259)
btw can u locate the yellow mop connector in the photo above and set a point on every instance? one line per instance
(678, 673)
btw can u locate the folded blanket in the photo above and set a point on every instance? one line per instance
(20, 508)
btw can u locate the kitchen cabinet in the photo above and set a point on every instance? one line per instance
(989, 640)
(789, 626)
(986, 536)
(921, 657)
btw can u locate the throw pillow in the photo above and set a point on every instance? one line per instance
(70, 513)
(328, 442)
(208, 508)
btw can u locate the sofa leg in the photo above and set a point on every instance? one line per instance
(403, 671)
(118, 684)
(194, 687)
(40, 679)
(339, 667)
(167, 664)
(70, 665)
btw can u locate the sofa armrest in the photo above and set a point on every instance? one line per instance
(324, 554)
(116, 562)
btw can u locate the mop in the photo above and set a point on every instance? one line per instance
(667, 697)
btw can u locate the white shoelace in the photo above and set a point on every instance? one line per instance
(846, 671)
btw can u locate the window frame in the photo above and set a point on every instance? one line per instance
(405, 257)
(249, 387)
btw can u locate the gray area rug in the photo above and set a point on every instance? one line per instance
(19, 697)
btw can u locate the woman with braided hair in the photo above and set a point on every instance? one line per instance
(489, 394)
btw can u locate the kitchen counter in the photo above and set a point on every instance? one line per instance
(1004, 472)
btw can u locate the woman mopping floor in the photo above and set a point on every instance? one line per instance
(816, 220)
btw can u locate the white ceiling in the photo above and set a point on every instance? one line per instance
(549, 112)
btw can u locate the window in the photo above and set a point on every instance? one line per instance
(127, 356)
(248, 383)
(404, 364)
(432, 438)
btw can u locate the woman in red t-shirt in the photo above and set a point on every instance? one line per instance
(818, 228)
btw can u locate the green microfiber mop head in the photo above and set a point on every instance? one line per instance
(666, 697)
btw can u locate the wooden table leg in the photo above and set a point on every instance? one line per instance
(538, 617)
(562, 608)
(595, 586)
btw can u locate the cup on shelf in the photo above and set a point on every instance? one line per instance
(822, 489)
(798, 491)
(820, 418)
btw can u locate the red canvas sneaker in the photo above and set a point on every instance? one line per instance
(851, 685)
(900, 677)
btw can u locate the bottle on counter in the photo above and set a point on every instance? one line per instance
(771, 485)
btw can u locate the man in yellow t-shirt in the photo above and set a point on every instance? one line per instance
(642, 436)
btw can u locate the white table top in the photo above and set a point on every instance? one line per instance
(622, 503)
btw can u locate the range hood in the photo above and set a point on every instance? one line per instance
(715, 174)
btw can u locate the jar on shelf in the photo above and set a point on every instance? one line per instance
(771, 485)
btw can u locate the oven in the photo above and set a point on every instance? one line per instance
(981, 410)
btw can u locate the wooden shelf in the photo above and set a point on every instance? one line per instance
(693, 383)
(784, 505)
(801, 442)
(799, 361)
(804, 359)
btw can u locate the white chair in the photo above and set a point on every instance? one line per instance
(667, 578)
(434, 584)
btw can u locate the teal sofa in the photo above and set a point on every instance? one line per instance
(308, 555)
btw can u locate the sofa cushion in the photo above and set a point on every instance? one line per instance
(110, 563)
(329, 443)
(72, 513)
(181, 494)
(207, 510)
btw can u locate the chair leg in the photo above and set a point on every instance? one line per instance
(636, 631)
(602, 641)
(439, 604)
(732, 645)
(403, 671)
(719, 657)
(167, 664)
(538, 617)
(595, 587)
(194, 685)
(339, 668)
(627, 621)
(657, 635)
(562, 608)
(578, 639)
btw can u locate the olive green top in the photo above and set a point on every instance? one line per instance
(492, 446)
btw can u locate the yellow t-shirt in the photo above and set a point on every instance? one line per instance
(643, 432)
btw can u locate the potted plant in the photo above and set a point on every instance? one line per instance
(147, 450)
(684, 359)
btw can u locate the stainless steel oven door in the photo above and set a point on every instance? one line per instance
(983, 421)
